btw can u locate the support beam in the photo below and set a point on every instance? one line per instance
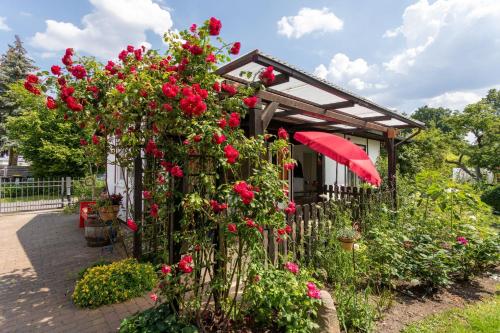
(287, 113)
(255, 122)
(318, 112)
(391, 166)
(279, 79)
(339, 105)
(268, 113)
(313, 125)
(378, 118)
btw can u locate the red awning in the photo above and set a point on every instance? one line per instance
(343, 151)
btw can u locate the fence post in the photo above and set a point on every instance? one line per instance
(1, 193)
(62, 192)
(307, 232)
(68, 189)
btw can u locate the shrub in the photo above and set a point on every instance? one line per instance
(279, 297)
(83, 271)
(491, 197)
(114, 283)
(158, 319)
(354, 310)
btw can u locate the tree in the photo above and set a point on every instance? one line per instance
(14, 66)
(480, 122)
(434, 117)
(51, 144)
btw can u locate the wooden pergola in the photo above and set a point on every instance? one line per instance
(299, 101)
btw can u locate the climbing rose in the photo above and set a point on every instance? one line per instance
(234, 120)
(210, 58)
(153, 297)
(216, 86)
(138, 54)
(462, 240)
(267, 76)
(236, 48)
(32, 78)
(56, 70)
(231, 227)
(147, 195)
(176, 171)
(231, 154)
(51, 103)
(79, 72)
(165, 269)
(250, 222)
(83, 142)
(193, 27)
(120, 87)
(282, 133)
(154, 210)
(222, 123)
(170, 90)
(132, 225)
(250, 101)
(95, 139)
(289, 166)
(214, 26)
(244, 191)
(291, 208)
(217, 207)
(292, 267)
(218, 139)
(313, 291)
(184, 264)
(195, 50)
(230, 89)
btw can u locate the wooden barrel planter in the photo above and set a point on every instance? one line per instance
(97, 233)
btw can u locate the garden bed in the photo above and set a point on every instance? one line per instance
(407, 309)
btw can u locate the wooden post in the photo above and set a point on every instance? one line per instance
(255, 122)
(137, 250)
(391, 165)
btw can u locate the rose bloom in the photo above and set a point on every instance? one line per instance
(236, 48)
(250, 101)
(132, 225)
(267, 76)
(153, 297)
(218, 139)
(214, 26)
(83, 142)
(291, 208)
(462, 240)
(165, 269)
(292, 267)
(56, 70)
(231, 227)
(234, 120)
(147, 195)
(95, 139)
(185, 264)
(231, 154)
(121, 88)
(176, 171)
(51, 103)
(282, 133)
(154, 210)
(79, 72)
(250, 222)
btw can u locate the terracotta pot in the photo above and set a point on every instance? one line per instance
(346, 243)
(108, 213)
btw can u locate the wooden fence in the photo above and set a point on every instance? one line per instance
(320, 218)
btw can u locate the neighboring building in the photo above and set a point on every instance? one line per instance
(298, 101)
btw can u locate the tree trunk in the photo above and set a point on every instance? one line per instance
(13, 156)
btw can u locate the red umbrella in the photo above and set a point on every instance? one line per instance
(343, 151)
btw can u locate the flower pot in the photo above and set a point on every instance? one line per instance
(108, 213)
(97, 233)
(346, 243)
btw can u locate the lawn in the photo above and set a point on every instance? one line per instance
(481, 317)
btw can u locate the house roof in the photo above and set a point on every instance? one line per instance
(306, 100)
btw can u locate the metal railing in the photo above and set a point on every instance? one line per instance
(21, 195)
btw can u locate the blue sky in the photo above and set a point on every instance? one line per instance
(400, 53)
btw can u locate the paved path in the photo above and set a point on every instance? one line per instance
(40, 256)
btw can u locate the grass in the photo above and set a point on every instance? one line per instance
(481, 317)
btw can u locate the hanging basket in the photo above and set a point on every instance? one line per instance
(347, 243)
(108, 213)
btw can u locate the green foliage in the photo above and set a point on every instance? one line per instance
(83, 271)
(278, 297)
(158, 319)
(481, 317)
(354, 310)
(434, 117)
(114, 283)
(49, 143)
(491, 196)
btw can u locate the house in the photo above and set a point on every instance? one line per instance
(298, 101)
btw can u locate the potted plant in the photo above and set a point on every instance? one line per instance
(108, 206)
(347, 236)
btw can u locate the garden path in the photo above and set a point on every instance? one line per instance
(40, 257)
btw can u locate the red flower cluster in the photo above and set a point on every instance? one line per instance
(218, 139)
(176, 171)
(95, 139)
(66, 59)
(462, 240)
(78, 71)
(250, 223)
(289, 166)
(147, 195)
(192, 104)
(31, 80)
(234, 120)
(217, 207)
(292, 267)
(152, 149)
(154, 210)
(165, 269)
(291, 208)
(185, 264)
(250, 101)
(245, 192)
(231, 154)
(214, 26)
(132, 225)
(236, 48)
(267, 76)
(313, 291)
(282, 133)
(231, 227)
(56, 70)
(111, 67)
(120, 87)
(51, 103)
(230, 89)
(170, 90)
(286, 230)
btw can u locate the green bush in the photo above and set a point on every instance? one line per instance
(82, 272)
(354, 310)
(278, 297)
(491, 196)
(158, 319)
(114, 283)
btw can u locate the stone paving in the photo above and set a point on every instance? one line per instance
(40, 257)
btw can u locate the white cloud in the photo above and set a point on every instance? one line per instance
(357, 73)
(111, 26)
(307, 21)
(456, 100)
(3, 24)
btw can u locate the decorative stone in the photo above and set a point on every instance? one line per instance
(327, 314)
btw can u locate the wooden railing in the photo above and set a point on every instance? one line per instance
(319, 218)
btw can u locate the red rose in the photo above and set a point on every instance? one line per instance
(132, 225)
(291, 208)
(154, 210)
(234, 120)
(231, 227)
(222, 123)
(193, 28)
(197, 138)
(138, 54)
(95, 139)
(67, 60)
(218, 139)
(236, 48)
(289, 166)
(216, 86)
(210, 58)
(32, 78)
(78, 71)
(217, 207)
(195, 50)
(170, 90)
(214, 26)
(153, 297)
(230, 89)
(176, 171)
(250, 101)
(167, 107)
(51, 103)
(231, 154)
(147, 195)
(250, 222)
(267, 76)
(292, 267)
(56, 70)
(73, 104)
(120, 87)
(83, 142)
(282, 133)
(165, 269)
(185, 264)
